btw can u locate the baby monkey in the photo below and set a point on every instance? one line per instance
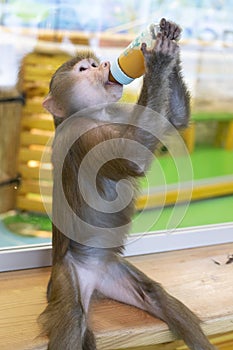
(87, 264)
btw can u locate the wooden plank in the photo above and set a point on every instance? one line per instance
(35, 89)
(220, 136)
(36, 204)
(82, 38)
(39, 71)
(189, 137)
(46, 59)
(229, 137)
(33, 105)
(173, 196)
(27, 154)
(35, 173)
(33, 186)
(44, 78)
(35, 121)
(7, 198)
(168, 346)
(38, 137)
(191, 275)
(224, 341)
(10, 115)
(154, 200)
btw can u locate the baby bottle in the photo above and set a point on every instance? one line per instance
(130, 64)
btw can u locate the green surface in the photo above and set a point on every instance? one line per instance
(205, 212)
(206, 162)
(40, 222)
(212, 116)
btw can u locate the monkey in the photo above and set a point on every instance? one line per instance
(86, 265)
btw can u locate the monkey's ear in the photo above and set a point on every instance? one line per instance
(52, 107)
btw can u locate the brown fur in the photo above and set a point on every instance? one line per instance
(90, 263)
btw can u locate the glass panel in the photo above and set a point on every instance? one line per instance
(36, 38)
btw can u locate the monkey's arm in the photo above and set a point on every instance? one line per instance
(156, 88)
(169, 95)
(113, 146)
(119, 145)
(179, 99)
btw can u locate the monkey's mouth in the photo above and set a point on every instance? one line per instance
(112, 83)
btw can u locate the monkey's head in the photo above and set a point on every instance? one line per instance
(80, 83)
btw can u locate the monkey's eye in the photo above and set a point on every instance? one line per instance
(94, 65)
(81, 69)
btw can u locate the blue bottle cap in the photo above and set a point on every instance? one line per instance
(119, 75)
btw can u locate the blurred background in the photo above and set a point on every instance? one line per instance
(37, 36)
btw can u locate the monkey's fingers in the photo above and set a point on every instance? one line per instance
(165, 46)
(170, 29)
(158, 45)
(177, 33)
(144, 49)
(159, 42)
(162, 23)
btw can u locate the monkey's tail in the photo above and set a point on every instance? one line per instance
(64, 321)
(141, 291)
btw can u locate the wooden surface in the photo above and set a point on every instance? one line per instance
(199, 277)
(10, 115)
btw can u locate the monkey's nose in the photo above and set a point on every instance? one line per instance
(105, 65)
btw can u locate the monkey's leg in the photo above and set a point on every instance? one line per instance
(125, 283)
(64, 320)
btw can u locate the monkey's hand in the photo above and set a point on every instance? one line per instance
(163, 87)
(170, 29)
(162, 58)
